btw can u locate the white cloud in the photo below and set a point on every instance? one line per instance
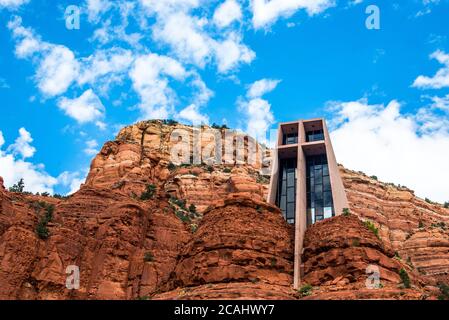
(187, 37)
(91, 147)
(13, 169)
(267, 12)
(27, 43)
(57, 66)
(103, 64)
(72, 180)
(150, 76)
(84, 109)
(440, 79)
(399, 148)
(57, 71)
(22, 146)
(96, 7)
(12, 4)
(262, 87)
(193, 115)
(201, 97)
(257, 111)
(228, 12)
(230, 53)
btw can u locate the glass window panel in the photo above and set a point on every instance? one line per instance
(319, 190)
(291, 178)
(327, 212)
(327, 199)
(284, 189)
(326, 183)
(291, 209)
(283, 203)
(291, 194)
(325, 170)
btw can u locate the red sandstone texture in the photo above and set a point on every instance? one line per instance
(231, 245)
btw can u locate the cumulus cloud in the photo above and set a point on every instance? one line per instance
(57, 66)
(71, 180)
(256, 110)
(12, 4)
(84, 109)
(13, 168)
(150, 77)
(22, 146)
(380, 140)
(188, 38)
(57, 71)
(91, 147)
(440, 79)
(192, 114)
(267, 12)
(105, 67)
(262, 87)
(226, 13)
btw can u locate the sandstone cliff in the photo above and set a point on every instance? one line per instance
(144, 227)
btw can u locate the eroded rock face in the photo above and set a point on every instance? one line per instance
(340, 256)
(418, 231)
(232, 247)
(229, 245)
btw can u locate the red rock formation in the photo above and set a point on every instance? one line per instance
(341, 253)
(230, 245)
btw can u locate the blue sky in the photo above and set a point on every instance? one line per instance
(247, 63)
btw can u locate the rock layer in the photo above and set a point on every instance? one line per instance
(206, 232)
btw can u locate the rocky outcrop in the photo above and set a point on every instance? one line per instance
(232, 247)
(416, 229)
(342, 258)
(204, 231)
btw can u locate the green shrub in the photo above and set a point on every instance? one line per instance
(170, 122)
(420, 224)
(184, 218)
(193, 227)
(405, 278)
(346, 212)
(305, 290)
(370, 225)
(273, 262)
(428, 200)
(210, 169)
(440, 225)
(192, 208)
(18, 187)
(446, 205)
(148, 257)
(149, 192)
(41, 228)
(444, 291)
(227, 170)
(374, 177)
(171, 166)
